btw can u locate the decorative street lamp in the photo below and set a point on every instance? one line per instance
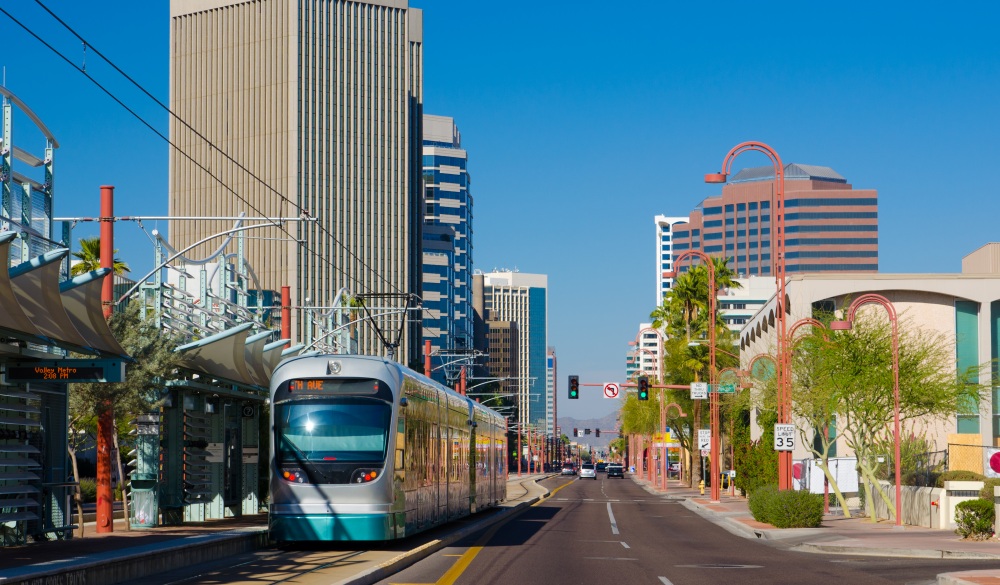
(665, 461)
(784, 389)
(713, 396)
(872, 298)
(659, 350)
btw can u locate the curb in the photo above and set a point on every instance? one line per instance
(915, 553)
(144, 562)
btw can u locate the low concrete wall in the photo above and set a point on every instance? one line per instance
(927, 507)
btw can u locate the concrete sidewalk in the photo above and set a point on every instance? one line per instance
(839, 535)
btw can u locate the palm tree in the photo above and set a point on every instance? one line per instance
(89, 258)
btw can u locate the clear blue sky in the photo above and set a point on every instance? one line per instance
(584, 120)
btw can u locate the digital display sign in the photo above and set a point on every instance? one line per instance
(332, 386)
(65, 371)
(308, 385)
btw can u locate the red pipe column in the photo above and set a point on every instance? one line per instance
(286, 312)
(105, 419)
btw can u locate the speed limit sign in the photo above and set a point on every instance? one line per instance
(784, 437)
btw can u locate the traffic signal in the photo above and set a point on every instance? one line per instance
(597, 432)
(643, 388)
(574, 387)
(576, 432)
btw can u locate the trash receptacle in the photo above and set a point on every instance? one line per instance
(145, 504)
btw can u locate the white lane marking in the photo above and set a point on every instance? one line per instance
(665, 581)
(625, 544)
(614, 525)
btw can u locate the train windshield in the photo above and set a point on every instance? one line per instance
(333, 429)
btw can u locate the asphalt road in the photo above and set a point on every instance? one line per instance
(614, 532)
(588, 532)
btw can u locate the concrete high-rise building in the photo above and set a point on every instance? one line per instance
(645, 354)
(665, 253)
(523, 298)
(315, 110)
(447, 206)
(829, 225)
(504, 358)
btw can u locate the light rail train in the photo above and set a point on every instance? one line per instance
(365, 449)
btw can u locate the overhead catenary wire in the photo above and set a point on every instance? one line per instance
(352, 278)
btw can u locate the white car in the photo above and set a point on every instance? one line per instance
(588, 470)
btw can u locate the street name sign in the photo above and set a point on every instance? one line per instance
(726, 388)
(784, 437)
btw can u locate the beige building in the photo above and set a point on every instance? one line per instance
(964, 307)
(310, 108)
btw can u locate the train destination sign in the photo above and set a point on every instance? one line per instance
(75, 371)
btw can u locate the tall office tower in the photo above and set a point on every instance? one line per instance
(645, 355)
(437, 296)
(515, 296)
(479, 324)
(829, 225)
(551, 388)
(448, 204)
(665, 253)
(504, 359)
(314, 108)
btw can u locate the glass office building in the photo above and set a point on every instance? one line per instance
(447, 224)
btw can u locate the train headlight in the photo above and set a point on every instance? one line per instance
(293, 475)
(365, 475)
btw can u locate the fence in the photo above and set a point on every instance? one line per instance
(925, 468)
(982, 459)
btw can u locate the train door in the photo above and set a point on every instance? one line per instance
(436, 458)
(473, 458)
(232, 459)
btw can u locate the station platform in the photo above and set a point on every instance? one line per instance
(125, 555)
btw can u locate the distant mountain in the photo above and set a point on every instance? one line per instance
(608, 425)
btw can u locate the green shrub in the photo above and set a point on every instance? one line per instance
(786, 509)
(797, 509)
(958, 475)
(759, 502)
(975, 519)
(88, 489)
(988, 484)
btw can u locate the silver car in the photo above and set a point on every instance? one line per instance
(588, 470)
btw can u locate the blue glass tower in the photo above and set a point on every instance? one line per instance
(447, 243)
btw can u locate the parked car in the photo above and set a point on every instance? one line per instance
(616, 470)
(587, 470)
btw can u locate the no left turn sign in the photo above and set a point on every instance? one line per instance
(611, 390)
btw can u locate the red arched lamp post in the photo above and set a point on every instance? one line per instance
(846, 325)
(784, 389)
(663, 430)
(732, 447)
(713, 395)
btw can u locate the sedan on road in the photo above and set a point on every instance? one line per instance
(569, 469)
(587, 471)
